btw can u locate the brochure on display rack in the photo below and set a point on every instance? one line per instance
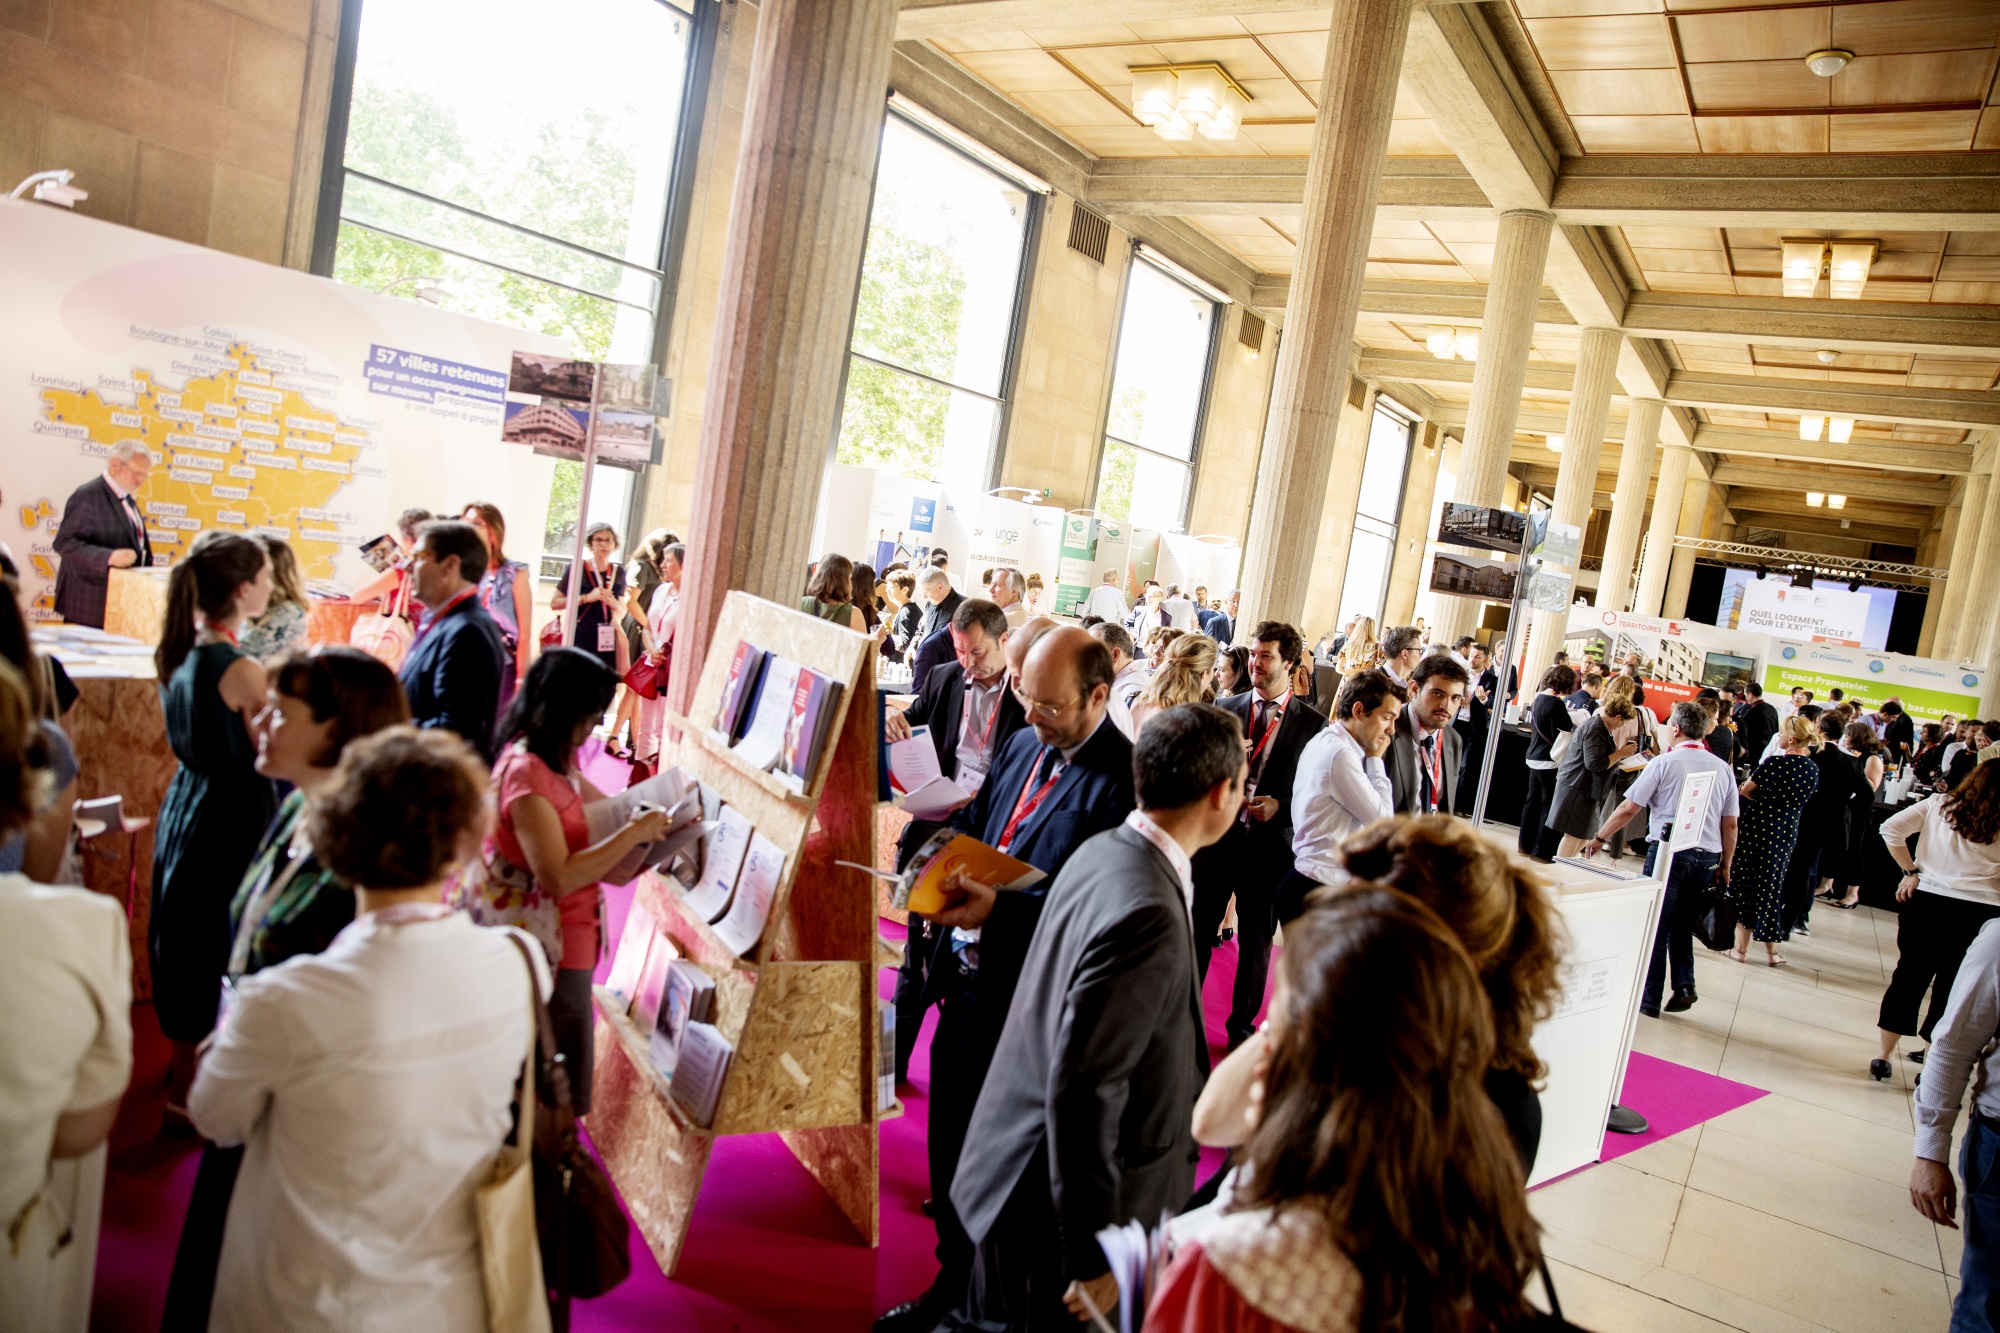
(669, 791)
(776, 715)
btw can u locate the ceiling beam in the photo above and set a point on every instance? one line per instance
(1441, 302)
(1890, 490)
(1826, 523)
(1532, 421)
(1888, 192)
(958, 18)
(1892, 456)
(1940, 330)
(1922, 407)
(1411, 187)
(1422, 368)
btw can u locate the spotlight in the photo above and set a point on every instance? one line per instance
(1826, 357)
(1811, 426)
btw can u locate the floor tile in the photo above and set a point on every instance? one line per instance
(1674, 1037)
(1813, 1065)
(1590, 1301)
(1670, 1158)
(1731, 1309)
(1864, 1146)
(1823, 1279)
(1629, 1211)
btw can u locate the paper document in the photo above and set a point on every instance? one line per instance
(725, 843)
(917, 783)
(922, 886)
(668, 790)
(743, 925)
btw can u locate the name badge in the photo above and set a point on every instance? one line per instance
(607, 639)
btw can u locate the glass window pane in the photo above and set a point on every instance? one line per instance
(1368, 556)
(610, 501)
(562, 120)
(1382, 474)
(943, 264)
(1162, 363)
(1142, 489)
(909, 425)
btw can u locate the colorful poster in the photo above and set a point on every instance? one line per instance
(1831, 615)
(271, 400)
(1736, 585)
(1928, 688)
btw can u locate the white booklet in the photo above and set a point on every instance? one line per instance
(763, 743)
(918, 784)
(629, 963)
(750, 909)
(670, 791)
(726, 841)
(699, 1068)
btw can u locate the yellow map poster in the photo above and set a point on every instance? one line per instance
(244, 447)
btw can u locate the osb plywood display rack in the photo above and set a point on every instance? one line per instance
(799, 1010)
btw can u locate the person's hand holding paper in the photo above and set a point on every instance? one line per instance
(969, 902)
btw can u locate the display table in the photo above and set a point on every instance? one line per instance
(1588, 1040)
(120, 737)
(1510, 771)
(135, 606)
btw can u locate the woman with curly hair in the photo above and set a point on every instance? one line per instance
(1186, 675)
(1950, 888)
(1377, 1192)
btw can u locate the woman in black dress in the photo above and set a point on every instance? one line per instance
(1865, 749)
(1548, 718)
(1774, 798)
(218, 804)
(601, 600)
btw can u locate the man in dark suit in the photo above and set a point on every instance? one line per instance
(1478, 722)
(452, 675)
(1062, 779)
(102, 530)
(1424, 756)
(940, 601)
(1255, 855)
(1756, 723)
(970, 713)
(1085, 1121)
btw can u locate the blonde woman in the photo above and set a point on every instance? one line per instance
(1636, 730)
(1361, 650)
(1186, 676)
(282, 627)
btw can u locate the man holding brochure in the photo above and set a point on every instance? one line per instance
(1059, 781)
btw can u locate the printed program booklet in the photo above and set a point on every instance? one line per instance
(763, 742)
(917, 784)
(725, 842)
(670, 791)
(700, 1067)
(689, 998)
(742, 926)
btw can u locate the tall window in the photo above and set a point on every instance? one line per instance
(1372, 548)
(519, 157)
(1165, 343)
(934, 322)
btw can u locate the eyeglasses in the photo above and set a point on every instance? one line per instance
(1036, 708)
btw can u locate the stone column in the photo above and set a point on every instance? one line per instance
(798, 222)
(1674, 463)
(1628, 502)
(1413, 527)
(1975, 617)
(1964, 553)
(1931, 551)
(1576, 475)
(1507, 328)
(1364, 59)
(1680, 569)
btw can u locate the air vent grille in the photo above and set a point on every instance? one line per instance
(1089, 234)
(1250, 332)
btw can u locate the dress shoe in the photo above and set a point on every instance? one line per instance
(1916, 1057)
(1649, 1011)
(927, 1208)
(1684, 998)
(921, 1315)
(1879, 1069)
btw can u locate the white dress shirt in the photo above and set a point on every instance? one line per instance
(1106, 603)
(1142, 824)
(978, 718)
(372, 1085)
(1337, 791)
(1125, 687)
(1963, 1042)
(1180, 614)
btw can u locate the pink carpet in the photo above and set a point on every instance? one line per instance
(1674, 1098)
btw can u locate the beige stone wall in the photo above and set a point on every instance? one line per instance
(690, 343)
(1336, 527)
(1233, 432)
(1413, 527)
(1067, 349)
(181, 117)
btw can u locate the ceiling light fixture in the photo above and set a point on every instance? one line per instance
(1811, 426)
(1802, 261)
(1836, 502)
(1453, 344)
(1180, 100)
(1826, 357)
(1847, 274)
(1555, 444)
(1815, 498)
(1840, 429)
(1828, 63)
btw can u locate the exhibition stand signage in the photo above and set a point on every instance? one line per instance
(1929, 688)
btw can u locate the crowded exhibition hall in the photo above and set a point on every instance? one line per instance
(994, 666)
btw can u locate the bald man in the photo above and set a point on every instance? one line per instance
(1060, 780)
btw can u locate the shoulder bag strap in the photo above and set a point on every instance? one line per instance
(524, 1123)
(553, 1071)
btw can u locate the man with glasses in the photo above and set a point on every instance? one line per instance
(1062, 779)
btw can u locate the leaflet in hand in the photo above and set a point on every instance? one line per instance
(701, 1066)
(921, 888)
(725, 843)
(670, 791)
(756, 886)
(916, 782)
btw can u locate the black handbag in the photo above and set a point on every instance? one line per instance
(1712, 915)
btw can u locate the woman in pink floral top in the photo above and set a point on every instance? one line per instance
(1379, 1189)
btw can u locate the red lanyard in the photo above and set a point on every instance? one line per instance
(1025, 804)
(986, 737)
(1271, 721)
(1434, 766)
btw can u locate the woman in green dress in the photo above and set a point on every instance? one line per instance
(1773, 798)
(830, 593)
(288, 904)
(218, 805)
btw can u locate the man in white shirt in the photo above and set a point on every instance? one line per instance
(1106, 602)
(1179, 610)
(1960, 1043)
(1130, 677)
(1342, 784)
(1801, 696)
(1658, 790)
(1402, 649)
(1008, 590)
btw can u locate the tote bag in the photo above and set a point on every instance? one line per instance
(510, 1253)
(386, 635)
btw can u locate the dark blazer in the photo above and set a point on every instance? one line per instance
(1403, 771)
(94, 524)
(1101, 1058)
(933, 650)
(938, 617)
(1093, 794)
(1221, 628)
(940, 706)
(1266, 846)
(452, 675)
(1900, 735)
(1755, 728)
(902, 635)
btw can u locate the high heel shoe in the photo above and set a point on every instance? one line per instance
(1880, 1069)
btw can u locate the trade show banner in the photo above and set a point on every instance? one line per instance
(1831, 615)
(1675, 657)
(1928, 688)
(1078, 573)
(271, 400)
(988, 532)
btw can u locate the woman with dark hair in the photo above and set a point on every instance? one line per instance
(904, 612)
(601, 601)
(1950, 888)
(830, 593)
(1861, 745)
(282, 627)
(507, 594)
(1377, 1190)
(540, 869)
(862, 594)
(1929, 757)
(373, 1084)
(218, 804)
(1232, 671)
(1548, 718)
(36, 848)
(290, 902)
